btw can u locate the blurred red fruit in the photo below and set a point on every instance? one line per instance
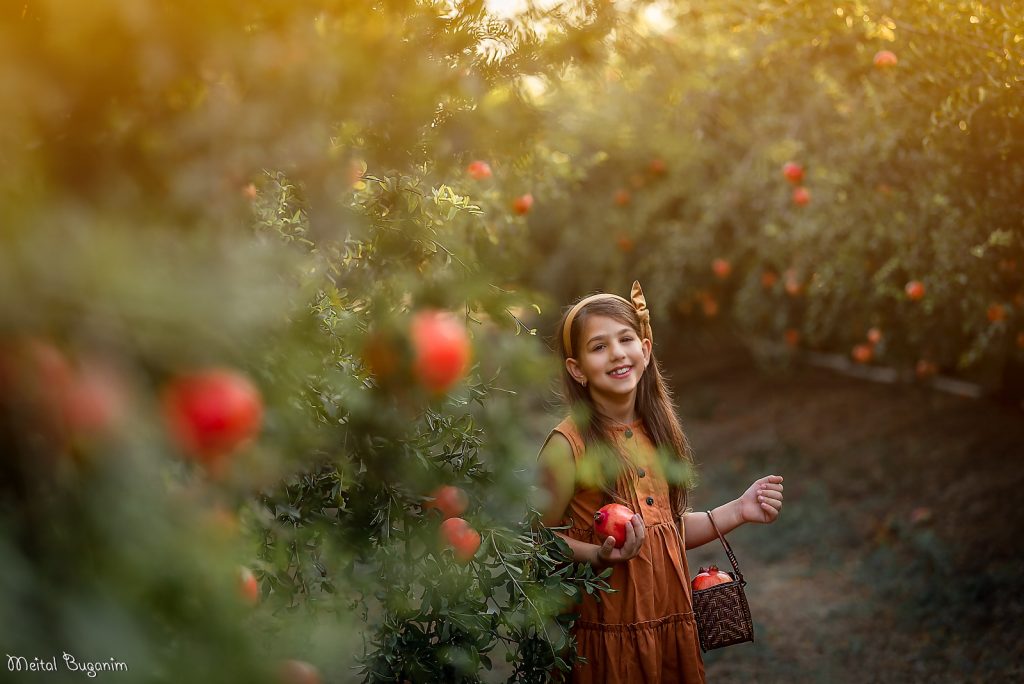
(920, 515)
(356, 169)
(791, 283)
(885, 59)
(298, 672)
(793, 172)
(722, 268)
(249, 191)
(36, 373)
(996, 313)
(915, 290)
(479, 170)
(768, 279)
(625, 244)
(441, 349)
(248, 587)
(522, 204)
(49, 367)
(657, 166)
(925, 369)
(212, 413)
(88, 401)
(801, 196)
(792, 336)
(709, 305)
(862, 353)
(622, 197)
(874, 335)
(449, 500)
(458, 535)
(95, 401)
(381, 355)
(221, 522)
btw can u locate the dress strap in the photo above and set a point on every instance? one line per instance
(568, 430)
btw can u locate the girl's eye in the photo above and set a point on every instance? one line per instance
(599, 347)
(627, 339)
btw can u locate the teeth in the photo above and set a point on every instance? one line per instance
(621, 372)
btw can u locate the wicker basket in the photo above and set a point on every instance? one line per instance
(721, 611)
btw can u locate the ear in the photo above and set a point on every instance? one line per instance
(648, 346)
(574, 370)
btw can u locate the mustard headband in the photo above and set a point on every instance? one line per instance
(639, 303)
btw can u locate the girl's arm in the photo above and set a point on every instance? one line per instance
(761, 503)
(559, 482)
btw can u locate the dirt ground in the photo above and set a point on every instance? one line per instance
(898, 556)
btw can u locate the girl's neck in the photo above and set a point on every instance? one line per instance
(623, 412)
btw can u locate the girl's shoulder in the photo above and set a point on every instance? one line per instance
(569, 432)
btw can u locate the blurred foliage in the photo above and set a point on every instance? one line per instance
(277, 187)
(913, 170)
(274, 188)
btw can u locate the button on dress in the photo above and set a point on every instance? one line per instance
(646, 631)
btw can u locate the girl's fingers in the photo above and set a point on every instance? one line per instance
(638, 528)
(635, 534)
(769, 494)
(634, 538)
(630, 536)
(768, 490)
(607, 548)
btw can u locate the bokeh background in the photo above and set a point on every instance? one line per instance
(227, 407)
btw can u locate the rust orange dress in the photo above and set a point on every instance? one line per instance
(646, 631)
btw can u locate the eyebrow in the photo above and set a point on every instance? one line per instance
(595, 338)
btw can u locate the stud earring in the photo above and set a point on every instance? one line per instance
(583, 382)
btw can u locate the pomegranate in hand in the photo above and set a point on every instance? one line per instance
(710, 577)
(611, 521)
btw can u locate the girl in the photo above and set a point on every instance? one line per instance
(620, 405)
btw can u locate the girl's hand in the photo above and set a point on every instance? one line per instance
(762, 502)
(607, 554)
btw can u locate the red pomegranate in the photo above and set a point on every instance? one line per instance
(213, 412)
(611, 521)
(710, 577)
(459, 536)
(793, 172)
(450, 501)
(442, 349)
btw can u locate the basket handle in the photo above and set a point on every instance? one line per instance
(728, 551)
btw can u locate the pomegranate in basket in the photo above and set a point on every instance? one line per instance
(710, 577)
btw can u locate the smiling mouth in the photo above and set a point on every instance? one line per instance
(621, 372)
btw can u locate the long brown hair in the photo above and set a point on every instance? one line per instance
(654, 405)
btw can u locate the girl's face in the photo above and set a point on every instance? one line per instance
(611, 357)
